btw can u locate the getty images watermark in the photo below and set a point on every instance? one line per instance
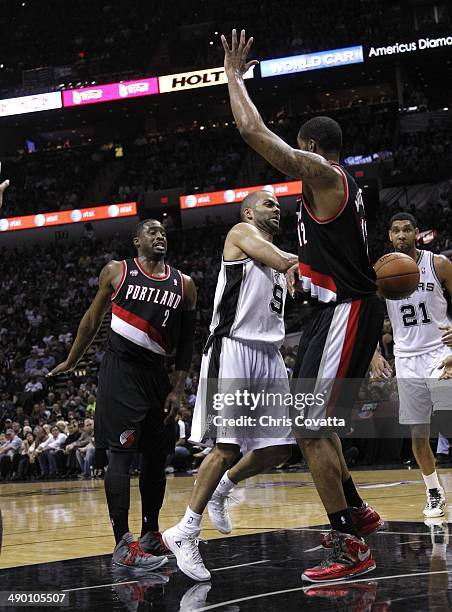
(271, 410)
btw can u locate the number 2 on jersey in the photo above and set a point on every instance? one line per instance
(165, 317)
(410, 317)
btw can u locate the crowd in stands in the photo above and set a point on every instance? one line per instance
(94, 39)
(46, 424)
(199, 158)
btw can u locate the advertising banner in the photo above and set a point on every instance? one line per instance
(199, 78)
(420, 44)
(312, 61)
(30, 104)
(231, 196)
(96, 213)
(110, 92)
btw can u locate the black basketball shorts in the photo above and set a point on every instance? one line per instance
(130, 407)
(333, 358)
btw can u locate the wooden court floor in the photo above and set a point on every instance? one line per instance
(51, 521)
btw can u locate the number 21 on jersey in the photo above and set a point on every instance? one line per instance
(413, 314)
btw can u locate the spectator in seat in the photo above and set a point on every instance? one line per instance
(40, 436)
(33, 386)
(9, 454)
(17, 429)
(65, 457)
(84, 447)
(24, 467)
(46, 452)
(32, 361)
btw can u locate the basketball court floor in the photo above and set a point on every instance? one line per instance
(57, 537)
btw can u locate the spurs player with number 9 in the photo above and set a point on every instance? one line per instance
(422, 334)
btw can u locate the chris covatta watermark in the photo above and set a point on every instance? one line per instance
(244, 408)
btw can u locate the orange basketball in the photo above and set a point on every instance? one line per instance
(397, 275)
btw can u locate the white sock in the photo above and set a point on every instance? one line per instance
(225, 485)
(191, 521)
(440, 550)
(431, 481)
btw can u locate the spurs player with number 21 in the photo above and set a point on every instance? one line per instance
(422, 335)
(339, 279)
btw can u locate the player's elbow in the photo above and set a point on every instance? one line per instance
(249, 131)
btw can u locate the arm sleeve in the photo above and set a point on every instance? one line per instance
(184, 350)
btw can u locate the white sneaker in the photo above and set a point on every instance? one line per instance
(186, 551)
(195, 597)
(218, 508)
(436, 501)
(439, 530)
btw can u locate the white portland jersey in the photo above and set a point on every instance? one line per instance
(249, 302)
(415, 319)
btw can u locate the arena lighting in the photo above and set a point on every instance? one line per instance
(62, 217)
(312, 61)
(231, 196)
(110, 92)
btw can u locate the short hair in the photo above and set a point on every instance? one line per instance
(252, 200)
(403, 216)
(139, 226)
(249, 201)
(325, 131)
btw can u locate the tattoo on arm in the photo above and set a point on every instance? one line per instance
(298, 164)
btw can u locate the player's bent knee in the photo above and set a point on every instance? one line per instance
(227, 452)
(420, 433)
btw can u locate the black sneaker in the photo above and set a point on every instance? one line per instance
(153, 544)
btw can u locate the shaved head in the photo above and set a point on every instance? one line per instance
(251, 201)
(261, 209)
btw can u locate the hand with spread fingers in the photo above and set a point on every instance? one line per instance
(235, 57)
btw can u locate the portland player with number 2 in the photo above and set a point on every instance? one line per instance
(153, 315)
(422, 334)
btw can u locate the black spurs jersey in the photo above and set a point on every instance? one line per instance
(333, 253)
(146, 313)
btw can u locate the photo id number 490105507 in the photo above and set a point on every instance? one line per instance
(15, 599)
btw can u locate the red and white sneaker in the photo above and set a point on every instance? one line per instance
(349, 557)
(366, 519)
(350, 596)
(153, 544)
(128, 553)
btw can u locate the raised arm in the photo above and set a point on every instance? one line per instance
(313, 169)
(92, 319)
(245, 239)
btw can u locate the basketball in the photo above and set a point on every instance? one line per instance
(397, 275)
